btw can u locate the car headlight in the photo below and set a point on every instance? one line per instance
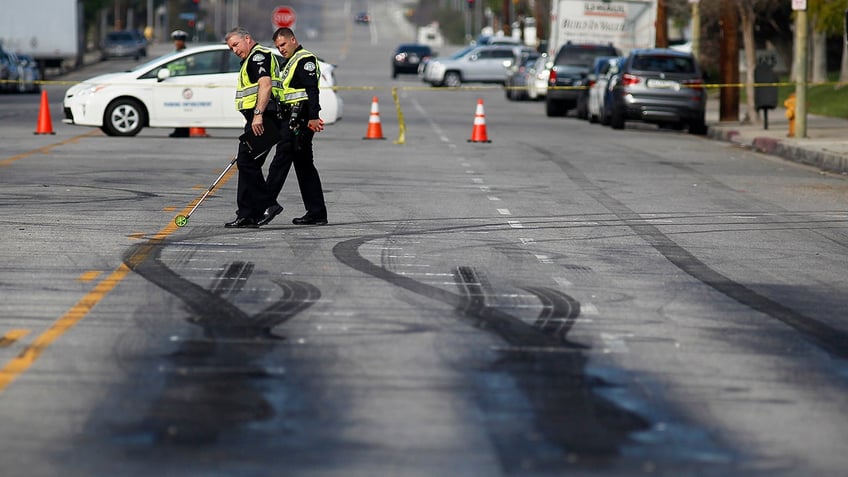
(88, 89)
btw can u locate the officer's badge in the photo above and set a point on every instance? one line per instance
(310, 66)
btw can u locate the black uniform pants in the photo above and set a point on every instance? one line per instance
(253, 195)
(307, 175)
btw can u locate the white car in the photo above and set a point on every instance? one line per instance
(194, 87)
(537, 86)
(598, 90)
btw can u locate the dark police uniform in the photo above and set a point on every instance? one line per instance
(253, 196)
(300, 85)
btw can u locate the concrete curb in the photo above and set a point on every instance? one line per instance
(827, 161)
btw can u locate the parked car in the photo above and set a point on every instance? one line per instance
(483, 64)
(362, 18)
(126, 43)
(598, 81)
(518, 76)
(660, 86)
(567, 81)
(30, 74)
(537, 88)
(408, 56)
(496, 40)
(198, 93)
(10, 73)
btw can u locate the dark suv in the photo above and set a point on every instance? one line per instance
(408, 56)
(659, 86)
(567, 83)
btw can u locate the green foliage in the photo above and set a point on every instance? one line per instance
(829, 99)
(830, 15)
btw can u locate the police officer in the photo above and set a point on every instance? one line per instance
(257, 91)
(178, 68)
(300, 123)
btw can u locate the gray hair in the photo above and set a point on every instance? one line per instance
(240, 31)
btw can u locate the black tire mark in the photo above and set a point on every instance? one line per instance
(831, 339)
(567, 409)
(214, 384)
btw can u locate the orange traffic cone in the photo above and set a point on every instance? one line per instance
(478, 134)
(375, 129)
(197, 132)
(45, 124)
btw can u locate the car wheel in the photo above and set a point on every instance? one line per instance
(452, 79)
(617, 119)
(554, 109)
(394, 73)
(605, 119)
(582, 109)
(124, 117)
(698, 127)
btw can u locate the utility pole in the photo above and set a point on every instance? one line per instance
(661, 39)
(696, 28)
(800, 7)
(729, 61)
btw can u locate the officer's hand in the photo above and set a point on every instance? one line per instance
(257, 126)
(316, 125)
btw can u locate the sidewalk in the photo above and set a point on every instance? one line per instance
(825, 147)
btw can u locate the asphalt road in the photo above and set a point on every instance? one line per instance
(566, 300)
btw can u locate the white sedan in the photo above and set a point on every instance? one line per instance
(194, 87)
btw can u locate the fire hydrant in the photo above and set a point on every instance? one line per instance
(789, 104)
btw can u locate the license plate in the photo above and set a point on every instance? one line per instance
(662, 83)
(413, 59)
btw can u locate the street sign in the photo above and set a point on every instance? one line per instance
(799, 4)
(284, 16)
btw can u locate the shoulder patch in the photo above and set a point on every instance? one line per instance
(309, 66)
(258, 58)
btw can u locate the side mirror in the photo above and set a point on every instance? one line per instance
(163, 74)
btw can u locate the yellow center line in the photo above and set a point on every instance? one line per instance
(30, 354)
(12, 336)
(46, 149)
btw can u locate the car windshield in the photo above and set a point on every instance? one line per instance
(665, 64)
(459, 54)
(418, 50)
(145, 66)
(119, 36)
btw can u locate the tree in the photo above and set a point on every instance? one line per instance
(827, 18)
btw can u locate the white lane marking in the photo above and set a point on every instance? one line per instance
(515, 224)
(588, 309)
(476, 180)
(504, 212)
(527, 241)
(546, 259)
(493, 198)
(484, 188)
(614, 343)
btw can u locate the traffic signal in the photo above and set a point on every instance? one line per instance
(470, 4)
(195, 5)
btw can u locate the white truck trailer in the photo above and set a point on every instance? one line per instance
(49, 30)
(626, 24)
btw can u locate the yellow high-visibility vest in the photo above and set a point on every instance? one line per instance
(247, 92)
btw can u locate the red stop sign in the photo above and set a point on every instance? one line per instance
(284, 16)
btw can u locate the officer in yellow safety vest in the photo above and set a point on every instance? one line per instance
(300, 123)
(257, 94)
(178, 68)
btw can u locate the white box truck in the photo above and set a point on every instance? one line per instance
(49, 30)
(626, 24)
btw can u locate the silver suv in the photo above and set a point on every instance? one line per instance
(482, 64)
(659, 86)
